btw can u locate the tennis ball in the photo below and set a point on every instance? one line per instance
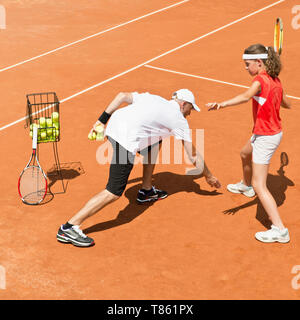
(31, 129)
(42, 122)
(50, 132)
(92, 136)
(55, 116)
(43, 135)
(48, 122)
(55, 125)
(100, 132)
(55, 133)
(99, 128)
(99, 136)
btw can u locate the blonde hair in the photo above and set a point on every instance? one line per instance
(273, 64)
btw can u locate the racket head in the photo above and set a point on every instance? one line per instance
(278, 36)
(32, 185)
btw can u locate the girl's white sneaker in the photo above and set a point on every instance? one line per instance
(240, 187)
(273, 235)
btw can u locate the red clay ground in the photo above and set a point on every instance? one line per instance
(184, 247)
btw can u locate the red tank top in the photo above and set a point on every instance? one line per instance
(266, 105)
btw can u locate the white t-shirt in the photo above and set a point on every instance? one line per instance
(147, 120)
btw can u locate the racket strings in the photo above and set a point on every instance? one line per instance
(32, 185)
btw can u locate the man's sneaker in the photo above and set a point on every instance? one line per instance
(75, 236)
(273, 235)
(240, 187)
(152, 195)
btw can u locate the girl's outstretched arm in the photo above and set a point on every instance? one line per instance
(241, 98)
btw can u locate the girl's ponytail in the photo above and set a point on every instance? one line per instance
(273, 63)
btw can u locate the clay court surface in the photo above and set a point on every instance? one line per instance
(199, 242)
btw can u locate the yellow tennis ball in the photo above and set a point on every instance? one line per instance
(99, 128)
(99, 136)
(55, 116)
(42, 122)
(31, 129)
(50, 132)
(55, 125)
(55, 133)
(100, 132)
(48, 122)
(92, 136)
(43, 135)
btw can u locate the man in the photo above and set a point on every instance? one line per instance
(138, 127)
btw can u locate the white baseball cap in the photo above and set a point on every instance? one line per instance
(186, 95)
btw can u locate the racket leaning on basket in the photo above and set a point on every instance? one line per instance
(32, 185)
(278, 36)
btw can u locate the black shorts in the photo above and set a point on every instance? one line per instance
(145, 152)
(121, 165)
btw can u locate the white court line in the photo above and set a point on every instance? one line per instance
(205, 78)
(195, 76)
(93, 35)
(151, 60)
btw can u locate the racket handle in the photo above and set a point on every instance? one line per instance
(34, 137)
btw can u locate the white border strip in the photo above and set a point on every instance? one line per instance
(93, 36)
(151, 60)
(205, 78)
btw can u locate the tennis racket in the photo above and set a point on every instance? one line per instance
(278, 36)
(32, 185)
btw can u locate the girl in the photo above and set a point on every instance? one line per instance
(264, 65)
